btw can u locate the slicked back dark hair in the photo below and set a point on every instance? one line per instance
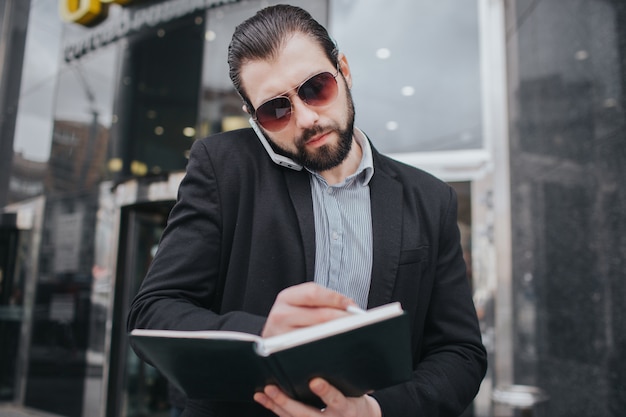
(262, 37)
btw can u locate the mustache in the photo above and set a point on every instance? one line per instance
(309, 133)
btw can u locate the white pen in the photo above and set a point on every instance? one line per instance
(355, 310)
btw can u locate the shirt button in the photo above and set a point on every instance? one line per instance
(330, 190)
(335, 235)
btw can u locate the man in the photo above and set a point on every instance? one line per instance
(262, 248)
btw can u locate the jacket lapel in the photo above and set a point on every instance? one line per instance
(386, 201)
(300, 193)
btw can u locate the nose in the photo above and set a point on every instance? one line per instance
(304, 116)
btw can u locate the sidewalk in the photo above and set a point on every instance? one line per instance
(10, 410)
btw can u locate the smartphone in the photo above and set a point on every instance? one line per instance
(278, 159)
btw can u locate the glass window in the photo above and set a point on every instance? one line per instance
(416, 74)
(158, 97)
(33, 124)
(76, 98)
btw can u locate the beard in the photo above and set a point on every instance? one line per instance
(327, 156)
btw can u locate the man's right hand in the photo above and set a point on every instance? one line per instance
(304, 305)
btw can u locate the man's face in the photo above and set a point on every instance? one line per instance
(318, 137)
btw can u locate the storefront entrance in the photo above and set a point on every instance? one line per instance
(135, 389)
(11, 306)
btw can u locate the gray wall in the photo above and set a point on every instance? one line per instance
(567, 83)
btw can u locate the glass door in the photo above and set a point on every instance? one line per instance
(11, 309)
(135, 389)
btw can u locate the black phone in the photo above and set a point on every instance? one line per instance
(278, 159)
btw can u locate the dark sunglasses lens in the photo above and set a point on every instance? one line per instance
(319, 90)
(274, 115)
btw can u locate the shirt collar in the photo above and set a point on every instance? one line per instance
(367, 162)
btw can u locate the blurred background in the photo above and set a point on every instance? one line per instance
(518, 104)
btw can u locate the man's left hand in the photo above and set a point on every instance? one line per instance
(337, 404)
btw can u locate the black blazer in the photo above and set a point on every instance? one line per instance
(242, 230)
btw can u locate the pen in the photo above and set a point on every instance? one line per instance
(355, 310)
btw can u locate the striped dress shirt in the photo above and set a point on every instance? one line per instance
(343, 229)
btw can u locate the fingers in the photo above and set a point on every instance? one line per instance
(304, 305)
(337, 404)
(280, 404)
(330, 395)
(310, 294)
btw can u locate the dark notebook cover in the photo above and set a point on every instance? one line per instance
(357, 354)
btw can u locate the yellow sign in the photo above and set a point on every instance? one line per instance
(148, 14)
(87, 12)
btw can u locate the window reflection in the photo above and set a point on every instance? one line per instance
(158, 98)
(416, 89)
(33, 123)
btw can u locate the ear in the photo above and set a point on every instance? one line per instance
(345, 68)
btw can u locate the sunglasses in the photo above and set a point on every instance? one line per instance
(319, 90)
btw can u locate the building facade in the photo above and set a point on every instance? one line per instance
(519, 104)
(567, 79)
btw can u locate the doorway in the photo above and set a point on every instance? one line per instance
(135, 389)
(11, 306)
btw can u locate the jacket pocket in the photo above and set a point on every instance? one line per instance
(413, 256)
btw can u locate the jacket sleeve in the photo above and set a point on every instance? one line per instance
(450, 361)
(181, 288)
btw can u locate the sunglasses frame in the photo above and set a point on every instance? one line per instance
(287, 96)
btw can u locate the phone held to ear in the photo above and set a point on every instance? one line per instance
(278, 159)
